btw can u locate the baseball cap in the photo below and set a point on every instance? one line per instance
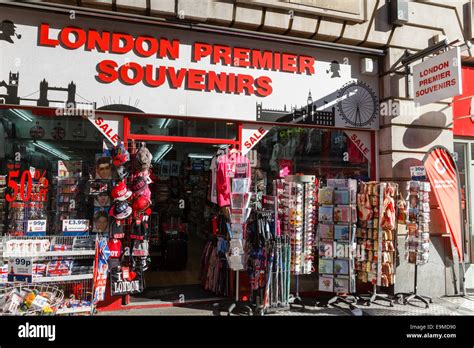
(140, 204)
(120, 210)
(121, 192)
(139, 185)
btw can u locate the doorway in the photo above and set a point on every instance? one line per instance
(182, 213)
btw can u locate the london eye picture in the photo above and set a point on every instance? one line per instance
(357, 104)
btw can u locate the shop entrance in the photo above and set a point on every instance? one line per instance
(180, 225)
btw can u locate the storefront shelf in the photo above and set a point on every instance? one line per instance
(73, 310)
(63, 278)
(54, 254)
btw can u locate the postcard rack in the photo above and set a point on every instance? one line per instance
(336, 237)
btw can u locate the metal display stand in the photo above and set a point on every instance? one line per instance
(408, 297)
(374, 295)
(237, 304)
(296, 300)
(350, 298)
(68, 283)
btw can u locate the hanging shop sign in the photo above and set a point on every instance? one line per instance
(94, 63)
(443, 175)
(251, 135)
(438, 78)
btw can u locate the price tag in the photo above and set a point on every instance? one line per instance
(20, 269)
(36, 228)
(418, 173)
(75, 226)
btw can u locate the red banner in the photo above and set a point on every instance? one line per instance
(443, 175)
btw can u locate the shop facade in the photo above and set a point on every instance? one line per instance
(291, 107)
(463, 137)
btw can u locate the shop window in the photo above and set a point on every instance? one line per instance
(31, 141)
(183, 128)
(312, 151)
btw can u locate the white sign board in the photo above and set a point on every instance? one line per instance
(438, 78)
(252, 134)
(418, 173)
(75, 225)
(144, 68)
(20, 269)
(36, 226)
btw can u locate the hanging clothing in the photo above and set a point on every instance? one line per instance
(276, 155)
(226, 169)
(212, 193)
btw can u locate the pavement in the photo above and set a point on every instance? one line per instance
(445, 306)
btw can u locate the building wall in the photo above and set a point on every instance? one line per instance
(406, 132)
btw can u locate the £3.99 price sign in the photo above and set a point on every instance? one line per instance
(21, 186)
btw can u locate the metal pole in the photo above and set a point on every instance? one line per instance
(237, 286)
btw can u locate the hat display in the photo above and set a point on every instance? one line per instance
(143, 158)
(120, 155)
(120, 210)
(139, 185)
(141, 204)
(121, 192)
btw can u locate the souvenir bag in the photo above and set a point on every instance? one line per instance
(125, 280)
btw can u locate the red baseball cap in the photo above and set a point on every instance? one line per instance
(141, 204)
(121, 192)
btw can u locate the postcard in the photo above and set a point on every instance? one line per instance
(326, 283)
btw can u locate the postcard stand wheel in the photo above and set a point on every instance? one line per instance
(408, 297)
(378, 297)
(349, 300)
(296, 300)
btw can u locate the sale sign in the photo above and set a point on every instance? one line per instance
(251, 135)
(108, 126)
(443, 175)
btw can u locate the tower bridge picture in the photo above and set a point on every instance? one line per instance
(12, 97)
(304, 115)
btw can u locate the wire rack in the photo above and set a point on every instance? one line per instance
(77, 287)
(53, 294)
